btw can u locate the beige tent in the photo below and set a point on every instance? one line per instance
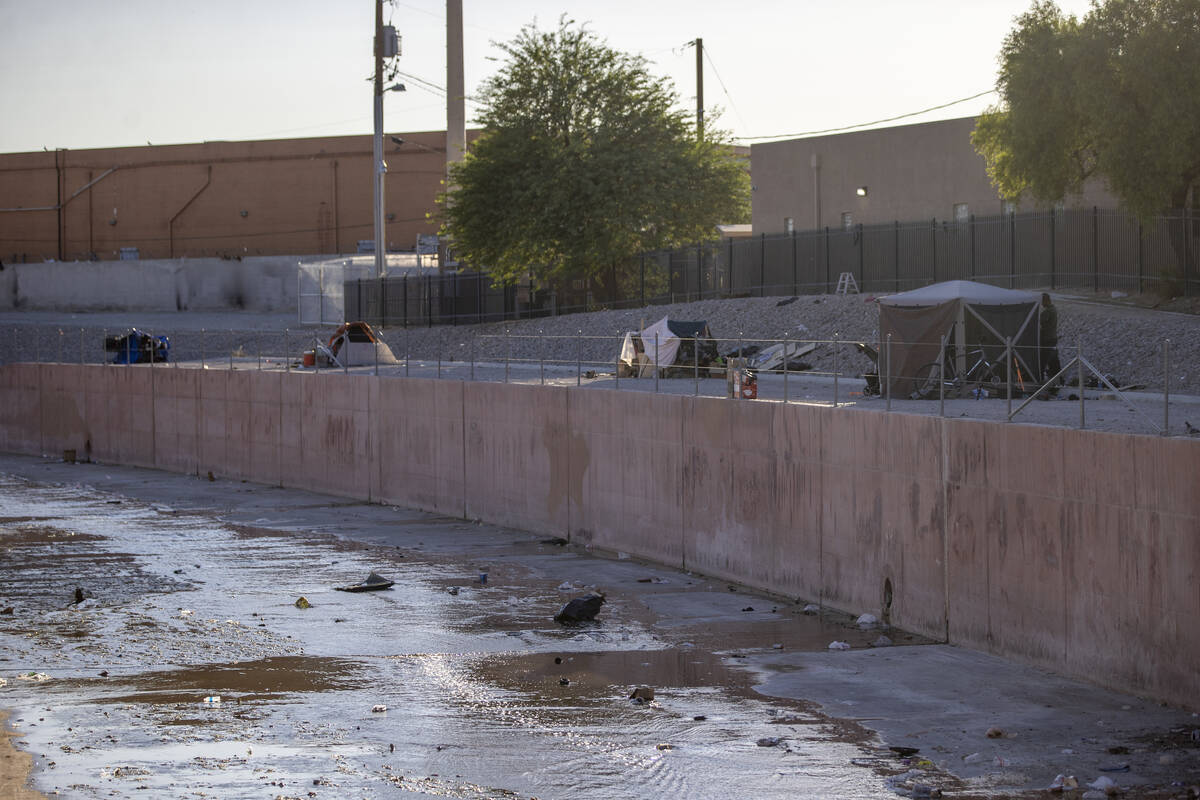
(972, 316)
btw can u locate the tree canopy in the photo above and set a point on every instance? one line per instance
(1113, 95)
(585, 160)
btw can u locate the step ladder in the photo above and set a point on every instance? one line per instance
(846, 284)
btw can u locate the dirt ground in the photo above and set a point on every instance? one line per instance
(15, 766)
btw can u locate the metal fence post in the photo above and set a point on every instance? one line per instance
(941, 377)
(438, 347)
(1166, 387)
(407, 349)
(785, 371)
(474, 337)
(287, 359)
(541, 357)
(231, 352)
(836, 368)
(376, 349)
(202, 349)
(888, 381)
(1079, 367)
(507, 353)
(656, 362)
(60, 345)
(579, 358)
(1008, 370)
(695, 366)
(81, 346)
(617, 367)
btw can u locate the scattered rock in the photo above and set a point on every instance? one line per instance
(811, 609)
(643, 693)
(664, 746)
(7, 610)
(748, 608)
(1063, 783)
(580, 609)
(882, 641)
(974, 758)
(770, 741)
(995, 733)
(80, 596)
(699, 718)
(904, 752)
(378, 708)
(564, 681)
(867, 621)
(35, 677)
(835, 645)
(302, 602)
(1104, 784)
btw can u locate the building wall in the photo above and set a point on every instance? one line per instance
(215, 199)
(911, 173)
(1072, 550)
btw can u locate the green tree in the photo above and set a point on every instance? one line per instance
(584, 162)
(1113, 95)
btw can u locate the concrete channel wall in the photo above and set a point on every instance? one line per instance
(1076, 551)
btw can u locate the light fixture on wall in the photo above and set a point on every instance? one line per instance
(245, 213)
(861, 191)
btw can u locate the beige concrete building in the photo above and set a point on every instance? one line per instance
(905, 173)
(223, 199)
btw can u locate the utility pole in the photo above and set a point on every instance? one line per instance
(456, 111)
(699, 88)
(378, 165)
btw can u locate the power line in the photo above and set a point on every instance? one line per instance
(708, 55)
(865, 124)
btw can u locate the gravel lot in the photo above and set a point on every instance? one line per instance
(1122, 340)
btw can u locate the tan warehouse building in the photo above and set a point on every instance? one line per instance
(905, 173)
(222, 199)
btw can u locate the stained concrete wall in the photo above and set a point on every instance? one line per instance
(1077, 551)
(198, 284)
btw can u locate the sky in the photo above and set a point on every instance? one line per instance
(84, 74)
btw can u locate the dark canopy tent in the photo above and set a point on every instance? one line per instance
(971, 316)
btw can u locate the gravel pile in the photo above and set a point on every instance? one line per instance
(1122, 341)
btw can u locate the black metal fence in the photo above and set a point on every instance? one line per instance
(1083, 249)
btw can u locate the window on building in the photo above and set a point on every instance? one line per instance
(962, 213)
(847, 221)
(789, 225)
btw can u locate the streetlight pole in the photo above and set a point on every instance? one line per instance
(379, 167)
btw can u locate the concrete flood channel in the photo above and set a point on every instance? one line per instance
(189, 593)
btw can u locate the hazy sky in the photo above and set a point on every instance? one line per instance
(81, 73)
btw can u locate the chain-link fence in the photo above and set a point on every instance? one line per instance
(1075, 389)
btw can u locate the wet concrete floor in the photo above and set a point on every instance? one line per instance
(187, 592)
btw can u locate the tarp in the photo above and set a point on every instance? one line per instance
(354, 344)
(970, 315)
(667, 336)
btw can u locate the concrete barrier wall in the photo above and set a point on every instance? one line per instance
(1072, 550)
(263, 283)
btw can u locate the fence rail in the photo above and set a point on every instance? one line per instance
(841, 372)
(1093, 249)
